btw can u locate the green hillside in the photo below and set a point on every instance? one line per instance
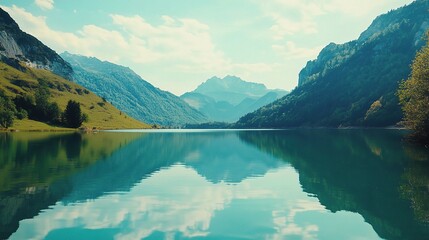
(101, 114)
(353, 84)
(130, 93)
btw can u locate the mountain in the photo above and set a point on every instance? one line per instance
(372, 173)
(17, 46)
(102, 115)
(130, 93)
(29, 68)
(227, 99)
(353, 84)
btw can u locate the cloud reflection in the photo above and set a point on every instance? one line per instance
(179, 202)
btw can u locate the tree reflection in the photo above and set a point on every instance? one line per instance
(358, 171)
(34, 168)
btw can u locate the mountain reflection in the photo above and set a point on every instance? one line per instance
(359, 171)
(215, 156)
(34, 168)
(75, 167)
(196, 184)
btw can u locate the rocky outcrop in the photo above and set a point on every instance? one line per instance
(18, 47)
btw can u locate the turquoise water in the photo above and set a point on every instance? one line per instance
(292, 184)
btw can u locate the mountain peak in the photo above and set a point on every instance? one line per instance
(226, 99)
(229, 83)
(231, 89)
(227, 78)
(6, 21)
(130, 93)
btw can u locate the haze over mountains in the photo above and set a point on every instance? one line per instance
(353, 84)
(215, 100)
(130, 93)
(222, 100)
(227, 99)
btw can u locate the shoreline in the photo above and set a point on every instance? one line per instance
(89, 130)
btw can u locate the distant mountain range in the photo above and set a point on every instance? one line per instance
(353, 84)
(130, 93)
(227, 99)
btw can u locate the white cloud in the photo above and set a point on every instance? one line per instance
(188, 207)
(181, 41)
(313, 8)
(294, 16)
(284, 26)
(45, 4)
(37, 26)
(290, 50)
(177, 45)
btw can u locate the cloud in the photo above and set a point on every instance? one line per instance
(185, 41)
(313, 8)
(176, 45)
(290, 50)
(45, 4)
(187, 207)
(182, 41)
(37, 26)
(301, 17)
(284, 26)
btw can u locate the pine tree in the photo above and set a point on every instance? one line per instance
(73, 116)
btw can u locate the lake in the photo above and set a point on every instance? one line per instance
(288, 184)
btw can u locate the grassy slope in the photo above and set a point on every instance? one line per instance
(101, 115)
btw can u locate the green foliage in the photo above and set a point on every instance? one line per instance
(73, 116)
(7, 111)
(106, 117)
(24, 102)
(21, 114)
(44, 110)
(414, 96)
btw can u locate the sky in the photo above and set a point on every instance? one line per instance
(177, 45)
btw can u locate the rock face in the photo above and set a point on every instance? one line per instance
(334, 55)
(227, 99)
(353, 84)
(18, 47)
(130, 93)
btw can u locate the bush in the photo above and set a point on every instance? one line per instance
(7, 111)
(21, 114)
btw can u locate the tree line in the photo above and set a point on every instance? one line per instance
(414, 96)
(38, 107)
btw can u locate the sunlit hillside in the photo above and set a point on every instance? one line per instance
(102, 115)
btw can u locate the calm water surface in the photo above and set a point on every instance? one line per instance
(297, 184)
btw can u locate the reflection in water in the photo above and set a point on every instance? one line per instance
(358, 171)
(206, 184)
(33, 166)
